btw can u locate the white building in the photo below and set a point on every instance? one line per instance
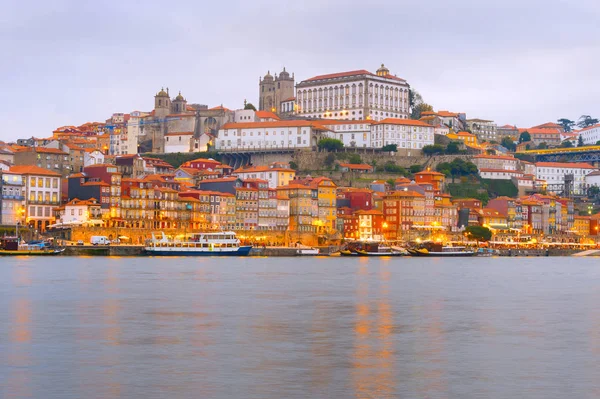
(178, 142)
(252, 136)
(593, 179)
(80, 212)
(93, 157)
(554, 173)
(42, 194)
(590, 135)
(405, 133)
(500, 162)
(354, 95)
(276, 176)
(499, 174)
(134, 131)
(484, 129)
(351, 133)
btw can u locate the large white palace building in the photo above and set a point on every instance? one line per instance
(354, 95)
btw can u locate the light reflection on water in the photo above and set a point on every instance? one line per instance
(299, 327)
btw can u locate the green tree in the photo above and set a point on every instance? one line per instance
(415, 169)
(293, 165)
(566, 144)
(567, 124)
(391, 167)
(478, 233)
(593, 191)
(452, 148)
(433, 149)
(419, 109)
(390, 148)
(586, 120)
(528, 147)
(580, 141)
(524, 137)
(329, 144)
(445, 168)
(250, 106)
(354, 159)
(508, 143)
(542, 146)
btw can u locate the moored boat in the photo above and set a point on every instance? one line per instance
(223, 243)
(369, 249)
(12, 246)
(309, 251)
(437, 250)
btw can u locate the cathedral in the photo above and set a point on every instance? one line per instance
(163, 105)
(275, 90)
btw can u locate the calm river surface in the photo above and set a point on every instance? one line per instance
(299, 328)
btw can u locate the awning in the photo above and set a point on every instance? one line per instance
(123, 238)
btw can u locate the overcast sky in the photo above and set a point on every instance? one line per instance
(67, 62)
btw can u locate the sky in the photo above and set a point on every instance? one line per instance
(515, 62)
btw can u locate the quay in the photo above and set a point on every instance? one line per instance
(137, 250)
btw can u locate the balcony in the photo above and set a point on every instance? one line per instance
(13, 197)
(43, 202)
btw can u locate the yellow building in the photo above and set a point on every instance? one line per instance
(326, 200)
(582, 225)
(465, 137)
(493, 219)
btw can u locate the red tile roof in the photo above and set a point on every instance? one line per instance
(32, 170)
(340, 75)
(565, 165)
(267, 115)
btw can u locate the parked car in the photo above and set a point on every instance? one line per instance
(79, 242)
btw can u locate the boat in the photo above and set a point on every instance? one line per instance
(369, 249)
(437, 250)
(12, 246)
(223, 243)
(308, 251)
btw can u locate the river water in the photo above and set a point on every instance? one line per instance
(299, 328)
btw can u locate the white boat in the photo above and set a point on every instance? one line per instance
(223, 243)
(307, 251)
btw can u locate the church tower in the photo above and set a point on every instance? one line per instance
(179, 105)
(266, 93)
(272, 91)
(162, 104)
(284, 88)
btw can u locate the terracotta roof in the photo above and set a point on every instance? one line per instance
(289, 99)
(447, 114)
(491, 212)
(408, 122)
(267, 114)
(500, 170)
(340, 75)
(220, 107)
(221, 180)
(264, 168)
(203, 160)
(589, 127)
(403, 193)
(43, 150)
(565, 165)
(32, 170)
(326, 122)
(542, 131)
(429, 172)
(505, 157)
(356, 166)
